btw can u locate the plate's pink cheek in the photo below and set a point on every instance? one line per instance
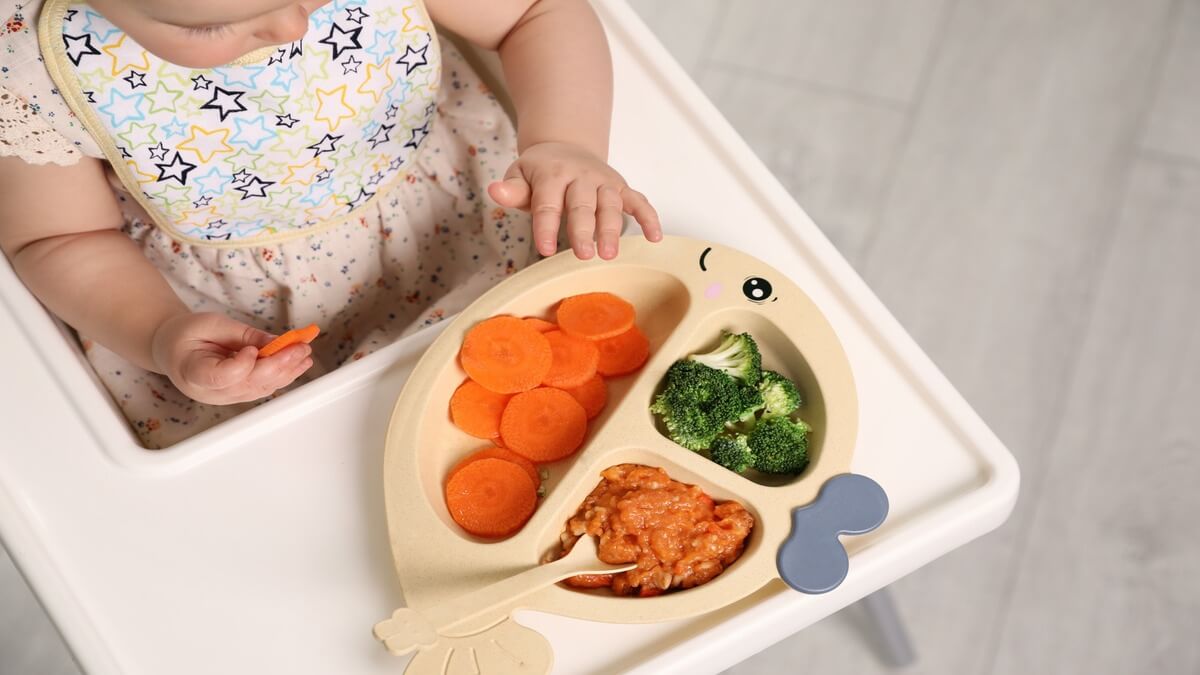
(713, 290)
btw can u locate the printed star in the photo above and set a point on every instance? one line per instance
(200, 82)
(375, 178)
(158, 151)
(128, 108)
(194, 217)
(216, 224)
(409, 26)
(79, 46)
(222, 237)
(251, 134)
(177, 168)
(70, 14)
(296, 49)
(391, 111)
(269, 101)
(225, 101)
(161, 98)
(140, 176)
(213, 182)
(91, 96)
(243, 158)
(318, 192)
(93, 80)
(350, 65)
(245, 76)
(174, 128)
(409, 59)
(171, 193)
(363, 196)
(285, 121)
(356, 15)
(324, 175)
(332, 110)
(386, 131)
(203, 201)
(205, 143)
(277, 57)
(255, 187)
(282, 199)
(326, 144)
(341, 40)
(394, 165)
(284, 77)
(382, 48)
(124, 152)
(430, 108)
(121, 60)
(96, 25)
(378, 79)
(241, 175)
(303, 173)
(135, 79)
(421, 131)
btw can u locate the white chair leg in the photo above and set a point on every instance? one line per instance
(894, 645)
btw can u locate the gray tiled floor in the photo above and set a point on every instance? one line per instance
(1019, 180)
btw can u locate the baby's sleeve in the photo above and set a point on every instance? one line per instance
(24, 134)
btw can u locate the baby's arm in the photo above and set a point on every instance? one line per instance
(557, 67)
(60, 228)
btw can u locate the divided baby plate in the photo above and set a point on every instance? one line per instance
(686, 292)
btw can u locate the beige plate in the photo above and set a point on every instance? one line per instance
(682, 308)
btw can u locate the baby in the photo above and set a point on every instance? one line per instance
(180, 180)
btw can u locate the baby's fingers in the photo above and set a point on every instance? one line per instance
(211, 370)
(608, 221)
(279, 370)
(639, 207)
(546, 205)
(581, 217)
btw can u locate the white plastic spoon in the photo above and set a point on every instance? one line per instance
(409, 629)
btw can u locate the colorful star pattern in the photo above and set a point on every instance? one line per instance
(238, 153)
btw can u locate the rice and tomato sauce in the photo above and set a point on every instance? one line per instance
(677, 535)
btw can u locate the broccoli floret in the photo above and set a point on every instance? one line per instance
(748, 401)
(780, 395)
(697, 402)
(733, 453)
(737, 356)
(779, 445)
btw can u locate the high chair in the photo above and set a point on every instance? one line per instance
(261, 546)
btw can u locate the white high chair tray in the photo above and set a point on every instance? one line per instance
(261, 546)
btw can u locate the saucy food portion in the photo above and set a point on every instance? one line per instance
(533, 387)
(678, 536)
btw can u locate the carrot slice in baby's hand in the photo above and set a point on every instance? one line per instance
(294, 336)
(500, 453)
(622, 354)
(505, 355)
(543, 425)
(491, 497)
(540, 325)
(476, 409)
(574, 361)
(595, 316)
(592, 395)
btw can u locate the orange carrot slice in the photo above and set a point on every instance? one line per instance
(574, 361)
(294, 336)
(595, 316)
(500, 453)
(540, 325)
(543, 424)
(623, 354)
(476, 409)
(592, 395)
(491, 497)
(505, 355)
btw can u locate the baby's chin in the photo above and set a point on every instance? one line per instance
(207, 61)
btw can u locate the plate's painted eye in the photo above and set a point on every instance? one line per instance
(756, 289)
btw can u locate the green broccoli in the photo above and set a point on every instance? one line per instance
(697, 402)
(779, 445)
(733, 453)
(737, 356)
(780, 395)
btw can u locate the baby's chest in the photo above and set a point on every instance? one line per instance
(303, 136)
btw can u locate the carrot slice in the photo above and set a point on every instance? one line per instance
(595, 316)
(540, 325)
(505, 355)
(491, 497)
(499, 453)
(592, 395)
(294, 336)
(574, 361)
(476, 409)
(543, 424)
(623, 354)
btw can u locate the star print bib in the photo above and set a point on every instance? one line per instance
(258, 152)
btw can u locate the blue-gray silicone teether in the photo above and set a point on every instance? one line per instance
(812, 559)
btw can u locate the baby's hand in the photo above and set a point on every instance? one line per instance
(550, 178)
(214, 359)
